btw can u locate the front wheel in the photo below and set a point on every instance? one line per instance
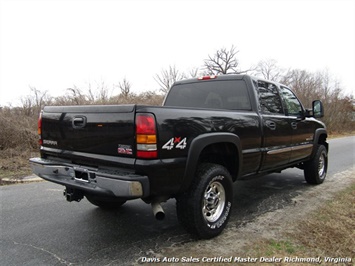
(205, 208)
(315, 170)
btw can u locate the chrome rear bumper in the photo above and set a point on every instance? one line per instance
(91, 180)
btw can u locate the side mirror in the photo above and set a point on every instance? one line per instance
(317, 108)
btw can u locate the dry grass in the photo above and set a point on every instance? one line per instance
(327, 233)
(320, 225)
(14, 163)
(332, 229)
(334, 135)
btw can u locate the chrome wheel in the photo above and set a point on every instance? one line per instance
(204, 210)
(315, 170)
(214, 201)
(321, 166)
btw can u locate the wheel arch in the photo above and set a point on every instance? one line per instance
(220, 148)
(320, 138)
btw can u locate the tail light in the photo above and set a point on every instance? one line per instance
(40, 142)
(146, 136)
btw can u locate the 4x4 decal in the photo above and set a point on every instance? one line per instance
(176, 143)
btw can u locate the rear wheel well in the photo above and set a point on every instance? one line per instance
(223, 153)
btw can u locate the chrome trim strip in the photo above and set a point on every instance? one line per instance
(277, 151)
(295, 148)
(301, 147)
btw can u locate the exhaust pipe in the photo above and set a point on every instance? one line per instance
(158, 211)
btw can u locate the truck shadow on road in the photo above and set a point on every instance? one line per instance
(135, 222)
(255, 197)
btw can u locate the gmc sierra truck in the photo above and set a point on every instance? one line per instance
(210, 132)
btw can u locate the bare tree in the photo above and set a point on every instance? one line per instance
(224, 61)
(305, 84)
(167, 77)
(91, 94)
(193, 72)
(310, 86)
(269, 70)
(149, 97)
(33, 103)
(100, 95)
(76, 96)
(103, 92)
(40, 97)
(125, 88)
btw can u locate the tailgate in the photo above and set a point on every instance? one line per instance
(106, 130)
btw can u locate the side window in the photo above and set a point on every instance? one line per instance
(269, 98)
(292, 105)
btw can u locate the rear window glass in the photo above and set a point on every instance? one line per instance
(224, 94)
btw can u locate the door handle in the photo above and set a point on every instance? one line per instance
(270, 124)
(79, 122)
(294, 125)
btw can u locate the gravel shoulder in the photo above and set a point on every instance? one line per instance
(275, 225)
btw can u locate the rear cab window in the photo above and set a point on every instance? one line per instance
(216, 94)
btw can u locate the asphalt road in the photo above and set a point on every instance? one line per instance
(38, 227)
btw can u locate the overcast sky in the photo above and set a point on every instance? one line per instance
(54, 45)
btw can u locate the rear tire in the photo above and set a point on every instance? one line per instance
(105, 202)
(315, 170)
(205, 208)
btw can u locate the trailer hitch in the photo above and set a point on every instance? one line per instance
(72, 194)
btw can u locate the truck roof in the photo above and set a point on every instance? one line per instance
(224, 77)
(213, 77)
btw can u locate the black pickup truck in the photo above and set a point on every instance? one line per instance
(210, 132)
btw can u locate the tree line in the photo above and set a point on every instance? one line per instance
(19, 127)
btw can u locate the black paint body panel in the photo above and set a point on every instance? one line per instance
(256, 143)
